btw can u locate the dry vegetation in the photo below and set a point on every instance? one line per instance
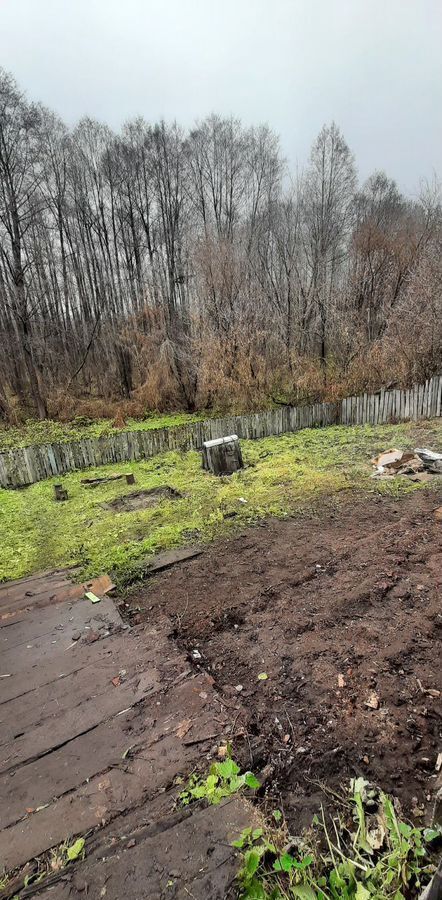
(164, 269)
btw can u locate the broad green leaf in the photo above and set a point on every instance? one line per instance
(199, 791)
(255, 890)
(76, 849)
(252, 860)
(432, 834)
(243, 838)
(304, 892)
(277, 815)
(361, 892)
(303, 863)
(235, 783)
(287, 862)
(227, 768)
(251, 781)
(211, 782)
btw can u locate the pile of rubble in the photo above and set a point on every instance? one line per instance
(418, 465)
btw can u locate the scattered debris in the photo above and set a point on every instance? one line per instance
(101, 585)
(431, 460)
(183, 728)
(438, 765)
(262, 676)
(116, 681)
(161, 561)
(373, 700)
(93, 482)
(341, 681)
(419, 465)
(196, 654)
(92, 597)
(91, 637)
(431, 692)
(387, 457)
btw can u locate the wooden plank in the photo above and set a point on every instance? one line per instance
(20, 715)
(39, 593)
(51, 776)
(58, 620)
(73, 722)
(206, 873)
(428, 399)
(60, 666)
(439, 396)
(37, 577)
(99, 618)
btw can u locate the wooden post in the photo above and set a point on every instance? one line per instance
(222, 456)
(60, 492)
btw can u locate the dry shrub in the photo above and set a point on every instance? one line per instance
(119, 420)
(67, 407)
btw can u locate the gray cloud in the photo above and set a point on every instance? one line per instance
(374, 66)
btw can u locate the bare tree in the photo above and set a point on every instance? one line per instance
(329, 190)
(171, 268)
(20, 207)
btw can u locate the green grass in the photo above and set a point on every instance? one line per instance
(283, 475)
(51, 432)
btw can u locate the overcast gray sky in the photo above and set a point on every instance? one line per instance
(374, 66)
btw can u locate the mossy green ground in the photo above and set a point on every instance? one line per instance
(49, 431)
(282, 475)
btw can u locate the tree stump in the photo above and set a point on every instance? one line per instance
(222, 456)
(60, 492)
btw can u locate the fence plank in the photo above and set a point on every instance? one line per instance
(31, 464)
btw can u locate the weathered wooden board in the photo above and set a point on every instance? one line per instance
(205, 873)
(70, 711)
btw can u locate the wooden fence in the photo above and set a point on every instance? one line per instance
(30, 464)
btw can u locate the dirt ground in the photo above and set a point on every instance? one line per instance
(342, 612)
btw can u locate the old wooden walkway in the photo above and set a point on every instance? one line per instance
(92, 738)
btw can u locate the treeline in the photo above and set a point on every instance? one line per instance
(163, 268)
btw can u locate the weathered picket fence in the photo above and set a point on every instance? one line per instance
(30, 464)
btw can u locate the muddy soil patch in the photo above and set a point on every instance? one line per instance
(142, 499)
(342, 612)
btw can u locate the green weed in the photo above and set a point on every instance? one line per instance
(223, 780)
(55, 860)
(366, 853)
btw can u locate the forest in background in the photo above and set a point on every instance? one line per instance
(164, 268)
